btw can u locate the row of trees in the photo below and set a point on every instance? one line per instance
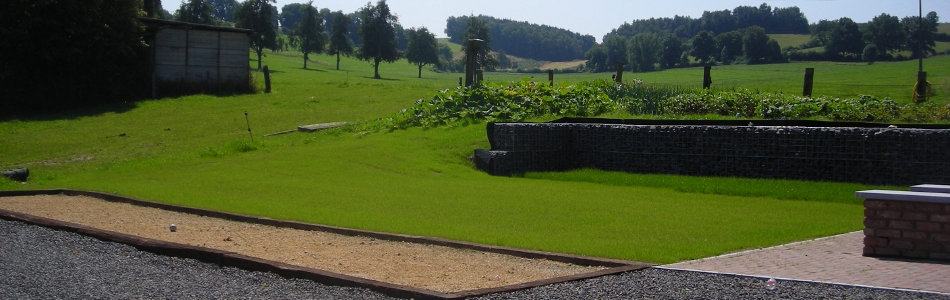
(523, 39)
(648, 51)
(843, 39)
(789, 20)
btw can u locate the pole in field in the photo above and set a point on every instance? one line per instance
(809, 82)
(248, 126)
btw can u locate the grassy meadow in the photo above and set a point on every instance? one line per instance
(196, 151)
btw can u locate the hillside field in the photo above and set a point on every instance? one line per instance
(196, 151)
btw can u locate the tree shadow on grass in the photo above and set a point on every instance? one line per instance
(384, 79)
(71, 114)
(314, 70)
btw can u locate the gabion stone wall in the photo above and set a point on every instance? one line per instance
(886, 156)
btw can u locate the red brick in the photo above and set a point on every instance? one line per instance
(901, 244)
(940, 237)
(940, 218)
(895, 224)
(870, 213)
(901, 205)
(888, 214)
(915, 254)
(929, 247)
(868, 232)
(929, 226)
(946, 228)
(876, 242)
(914, 216)
(929, 207)
(913, 235)
(888, 233)
(886, 251)
(946, 209)
(875, 223)
(875, 204)
(868, 251)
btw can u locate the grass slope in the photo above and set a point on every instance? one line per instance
(195, 151)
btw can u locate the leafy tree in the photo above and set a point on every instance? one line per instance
(732, 41)
(672, 51)
(504, 61)
(886, 32)
(478, 29)
(643, 50)
(774, 51)
(920, 36)
(59, 55)
(755, 44)
(195, 11)
(870, 53)
(223, 9)
(616, 47)
(933, 18)
(258, 16)
(340, 44)
(845, 38)
(422, 48)
(527, 40)
(704, 46)
(290, 14)
(310, 31)
(445, 54)
(821, 32)
(596, 59)
(788, 20)
(378, 32)
(719, 21)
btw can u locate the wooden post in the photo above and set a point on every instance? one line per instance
(266, 80)
(551, 77)
(619, 77)
(460, 81)
(921, 91)
(479, 75)
(471, 51)
(707, 78)
(809, 82)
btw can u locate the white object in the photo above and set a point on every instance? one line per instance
(173, 228)
(770, 284)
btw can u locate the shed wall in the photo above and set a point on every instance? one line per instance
(201, 56)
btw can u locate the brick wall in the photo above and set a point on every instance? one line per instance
(884, 156)
(907, 229)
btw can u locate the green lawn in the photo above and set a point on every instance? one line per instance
(196, 151)
(791, 40)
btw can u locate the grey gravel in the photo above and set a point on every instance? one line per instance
(41, 263)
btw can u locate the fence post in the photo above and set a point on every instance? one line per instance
(809, 82)
(619, 76)
(266, 80)
(470, 52)
(921, 87)
(479, 75)
(707, 78)
(551, 77)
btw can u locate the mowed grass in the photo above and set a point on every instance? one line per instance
(791, 40)
(196, 151)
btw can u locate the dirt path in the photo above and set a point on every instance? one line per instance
(429, 267)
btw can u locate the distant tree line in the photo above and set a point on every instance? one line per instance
(526, 40)
(789, 20)
(880, 39)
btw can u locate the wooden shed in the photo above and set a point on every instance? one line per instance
(194, 58)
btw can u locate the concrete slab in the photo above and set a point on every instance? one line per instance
(837, 259)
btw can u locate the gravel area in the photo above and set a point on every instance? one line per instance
(40, 263)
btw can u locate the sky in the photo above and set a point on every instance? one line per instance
(599, 17)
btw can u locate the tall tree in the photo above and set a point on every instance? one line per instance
(886, 32)
(378, 32)
(60, 55)
(422, 48)
(730, 44)
(340, 44)
(920, 36)
(755, 44)
(290, 14)
(596, 59)
(478, 29)
(672, 51)
(704, 46)
(195, 11)
(223, 9)
(643, 51)
(845, 38)
(258, 16)
(310, 32)
(616, 47)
